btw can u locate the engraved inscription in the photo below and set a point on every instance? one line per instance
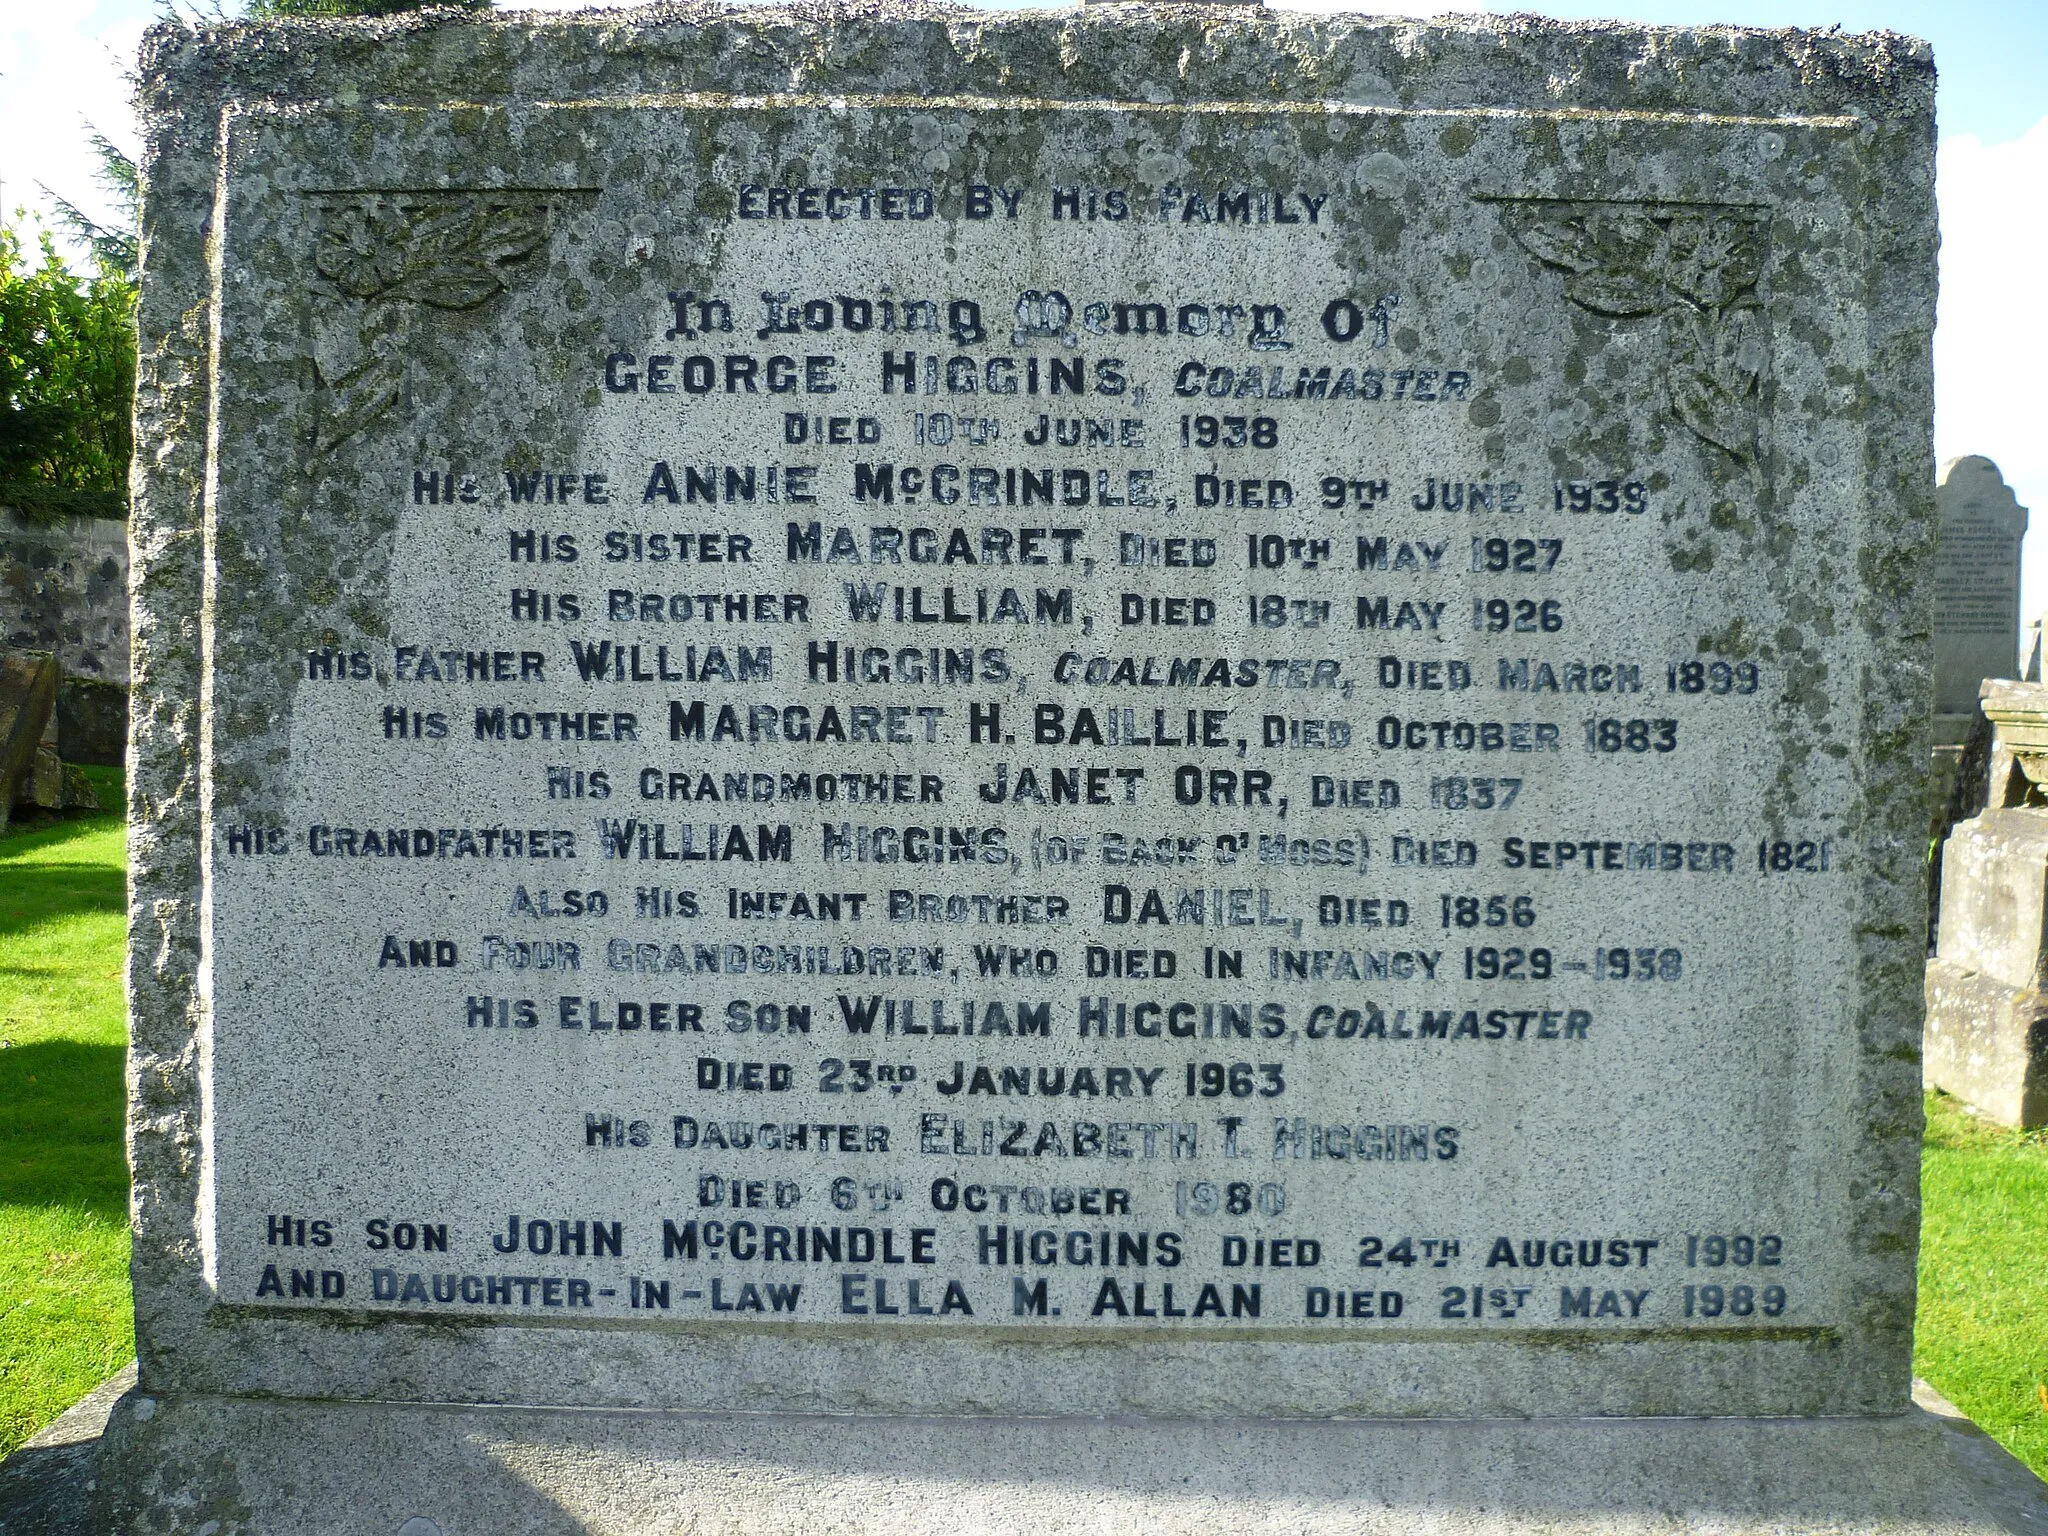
(1076, 756)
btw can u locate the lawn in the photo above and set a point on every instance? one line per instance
(64, 1318)
(1983, 1327)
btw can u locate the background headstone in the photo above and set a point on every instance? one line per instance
(28, 698)
(1976, 612)
(64, 590)
(824, 739)
(1987, 1018)
(92, 721)
(1977, 589)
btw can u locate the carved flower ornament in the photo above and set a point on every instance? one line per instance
(1691, 268)
(384, 255)
(450, 256)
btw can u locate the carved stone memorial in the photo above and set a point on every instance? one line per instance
(1987, 1020)
(1976, 590)
(1155, 722)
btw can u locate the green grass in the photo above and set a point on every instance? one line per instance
(1983, 1326)
(64, 1312)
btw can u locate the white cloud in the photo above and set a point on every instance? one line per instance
(1991, 394)
(63, 65)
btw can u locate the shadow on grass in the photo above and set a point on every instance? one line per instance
(60, 1137)
(62, 1099)
(39, 885)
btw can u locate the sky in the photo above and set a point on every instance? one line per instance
(63, 62)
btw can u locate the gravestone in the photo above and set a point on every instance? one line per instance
(1987, 1022)
(1148, 722)
(1976, 621)
(28, 695)
(92, 721)
(1976, 591)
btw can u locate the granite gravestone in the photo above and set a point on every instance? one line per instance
(1987, 1023)
(1119, 713)
(1976, 590)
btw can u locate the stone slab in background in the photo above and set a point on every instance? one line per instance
(1987, 1043)
(42, 787)
(1987, 1017)
(92, 721)
(28, 695)
(64, 589)
(1977, 588)
(1994, 896)
(78, 793)
(41, 779)
(2016, 715)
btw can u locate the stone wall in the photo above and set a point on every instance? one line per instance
(64, 588)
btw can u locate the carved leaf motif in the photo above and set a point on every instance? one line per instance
(1610, 262)
(1559, 242)
(1713, 385)
(447, 257)
(445, 251)
(511, 232)
(356, 399)
(458, 263)
(1696, 270)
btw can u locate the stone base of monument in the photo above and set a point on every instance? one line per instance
(254, 1468)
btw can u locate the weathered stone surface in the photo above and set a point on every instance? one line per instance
(1987, 1043)
(1994, 896)
(1524, 428)
(1977, 584)
(42, 786)
(293, 1469)
(92, 721)
(79, 795)
(28, 692)
(47, 782)
(1987, 1020)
